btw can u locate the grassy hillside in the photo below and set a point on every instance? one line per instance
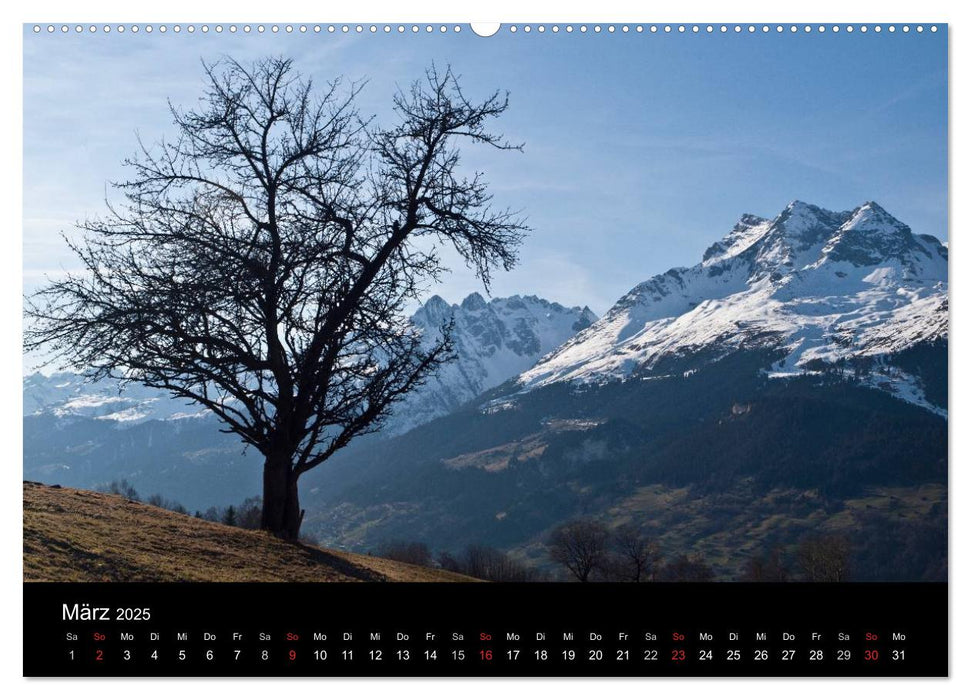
(73, 535)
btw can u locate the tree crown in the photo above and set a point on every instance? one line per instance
(261, 262)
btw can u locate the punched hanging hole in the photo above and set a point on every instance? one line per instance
(485, 29)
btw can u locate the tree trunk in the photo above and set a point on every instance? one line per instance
(281, 504)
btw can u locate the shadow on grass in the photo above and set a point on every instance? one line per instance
(341, 565)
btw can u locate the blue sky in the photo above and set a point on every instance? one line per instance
(640, 150)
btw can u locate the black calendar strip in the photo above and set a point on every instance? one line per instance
(485, 630)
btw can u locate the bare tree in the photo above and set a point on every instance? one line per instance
(687, 569)
(580, 546)
(639, 555)
(249, 513)
(260, 264)
(447, 561)
(491, 564)
(121, 488)
(770, 567)
(824, 558)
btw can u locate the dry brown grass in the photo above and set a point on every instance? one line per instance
(74, 535)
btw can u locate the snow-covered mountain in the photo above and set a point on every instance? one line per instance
(494, 341)
(66, 394)
(822, 288)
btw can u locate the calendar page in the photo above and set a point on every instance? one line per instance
(500, 350)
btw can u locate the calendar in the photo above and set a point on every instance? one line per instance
(485, 350)
(425, 630)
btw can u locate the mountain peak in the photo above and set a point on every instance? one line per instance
(587, 318)
(799, 208)
(805, 235)
(493, 341)
(799, 216)
(810, 286)
(870, 236)
(747, 221)
(473, 302)
(797, 204)
(803, 221)
(746, 232)
(871, 215)
(436, 302)
(433, 313)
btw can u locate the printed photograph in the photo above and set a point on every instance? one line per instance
(422, 306)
